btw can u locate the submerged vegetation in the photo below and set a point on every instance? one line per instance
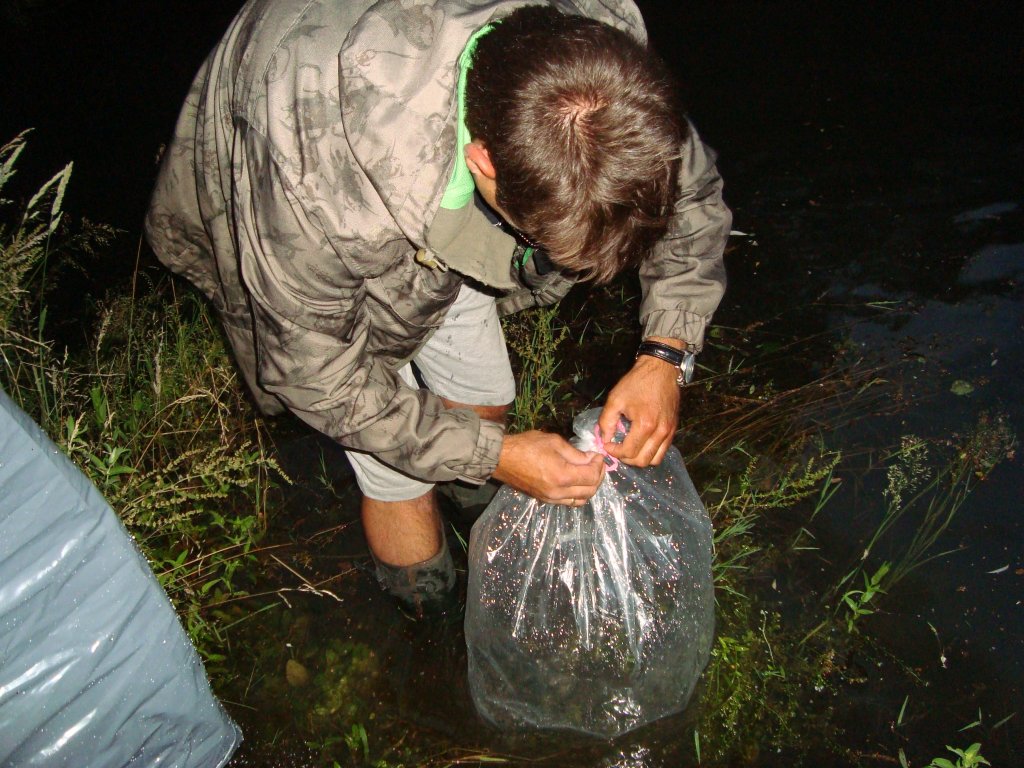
(152, 411)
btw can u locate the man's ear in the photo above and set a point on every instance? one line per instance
(479, 159)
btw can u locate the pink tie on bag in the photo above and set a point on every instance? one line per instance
(610, 461)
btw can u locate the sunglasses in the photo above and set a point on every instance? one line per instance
(521, 237)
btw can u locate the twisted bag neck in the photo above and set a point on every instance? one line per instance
(592, 441)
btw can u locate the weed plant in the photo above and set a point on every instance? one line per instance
(151, 411)
(748, 497)
(778, 674)
(756, 687)
(928, 500)
(534, 337)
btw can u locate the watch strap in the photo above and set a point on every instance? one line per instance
(684, 360)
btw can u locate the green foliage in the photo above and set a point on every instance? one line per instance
(856, 600)
(908, 469)
(933, 498)
(342, 684)
(151, 411)
(758, 680)
(747, 497)
(335, 706)
(24, 242)
(535, 336)
(755, 688)
(965, 758)
(358, 742)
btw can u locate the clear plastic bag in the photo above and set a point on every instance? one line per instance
(598, 618)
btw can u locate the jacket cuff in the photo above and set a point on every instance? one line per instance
(677, 324)
(485, 456)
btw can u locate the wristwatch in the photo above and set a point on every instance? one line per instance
(684, 360)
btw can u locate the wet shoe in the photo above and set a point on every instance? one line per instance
(426, 589)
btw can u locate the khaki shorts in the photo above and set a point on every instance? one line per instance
(466, 361)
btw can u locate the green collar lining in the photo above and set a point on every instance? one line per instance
(460, 189)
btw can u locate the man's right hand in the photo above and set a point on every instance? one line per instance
(547, 467)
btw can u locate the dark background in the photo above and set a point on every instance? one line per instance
(102, 82)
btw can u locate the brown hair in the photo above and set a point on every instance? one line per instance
(582, 127)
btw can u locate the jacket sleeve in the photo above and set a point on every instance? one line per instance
(683, 279)
(316, 321)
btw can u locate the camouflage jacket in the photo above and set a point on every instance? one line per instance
(306, 167)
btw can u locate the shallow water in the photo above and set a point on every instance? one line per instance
(874, 160)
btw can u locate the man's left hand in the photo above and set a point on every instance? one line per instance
(648, 396)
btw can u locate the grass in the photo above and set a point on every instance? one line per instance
(535, 337)
(778, 677)
(920, 503)
(150, 410)
(767, 477)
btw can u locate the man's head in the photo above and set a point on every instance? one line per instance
(577, 123)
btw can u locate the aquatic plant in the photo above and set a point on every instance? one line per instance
(758, 682)
(752, 697)
(965, 758)
(856, 600)
(933, 498)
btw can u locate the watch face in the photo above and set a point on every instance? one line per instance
(687, 366)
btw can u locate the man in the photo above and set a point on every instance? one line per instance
(324, 190)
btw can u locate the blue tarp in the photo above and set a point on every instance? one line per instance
(95, 668)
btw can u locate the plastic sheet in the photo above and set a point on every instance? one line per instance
(599, 618)
(95, 669)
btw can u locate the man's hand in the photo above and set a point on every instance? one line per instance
(548, 468)
(648, 396)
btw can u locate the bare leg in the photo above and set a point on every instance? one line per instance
(408, 532)
(403, 532)
(412, 562)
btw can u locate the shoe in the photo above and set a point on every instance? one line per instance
(423, 590)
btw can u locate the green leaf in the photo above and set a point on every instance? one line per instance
(903, 709)
(99, 405)
(961, 388)
(968, 727)
(1004, 720)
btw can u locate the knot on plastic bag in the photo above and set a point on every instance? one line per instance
(610, 461)
(592, 441)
